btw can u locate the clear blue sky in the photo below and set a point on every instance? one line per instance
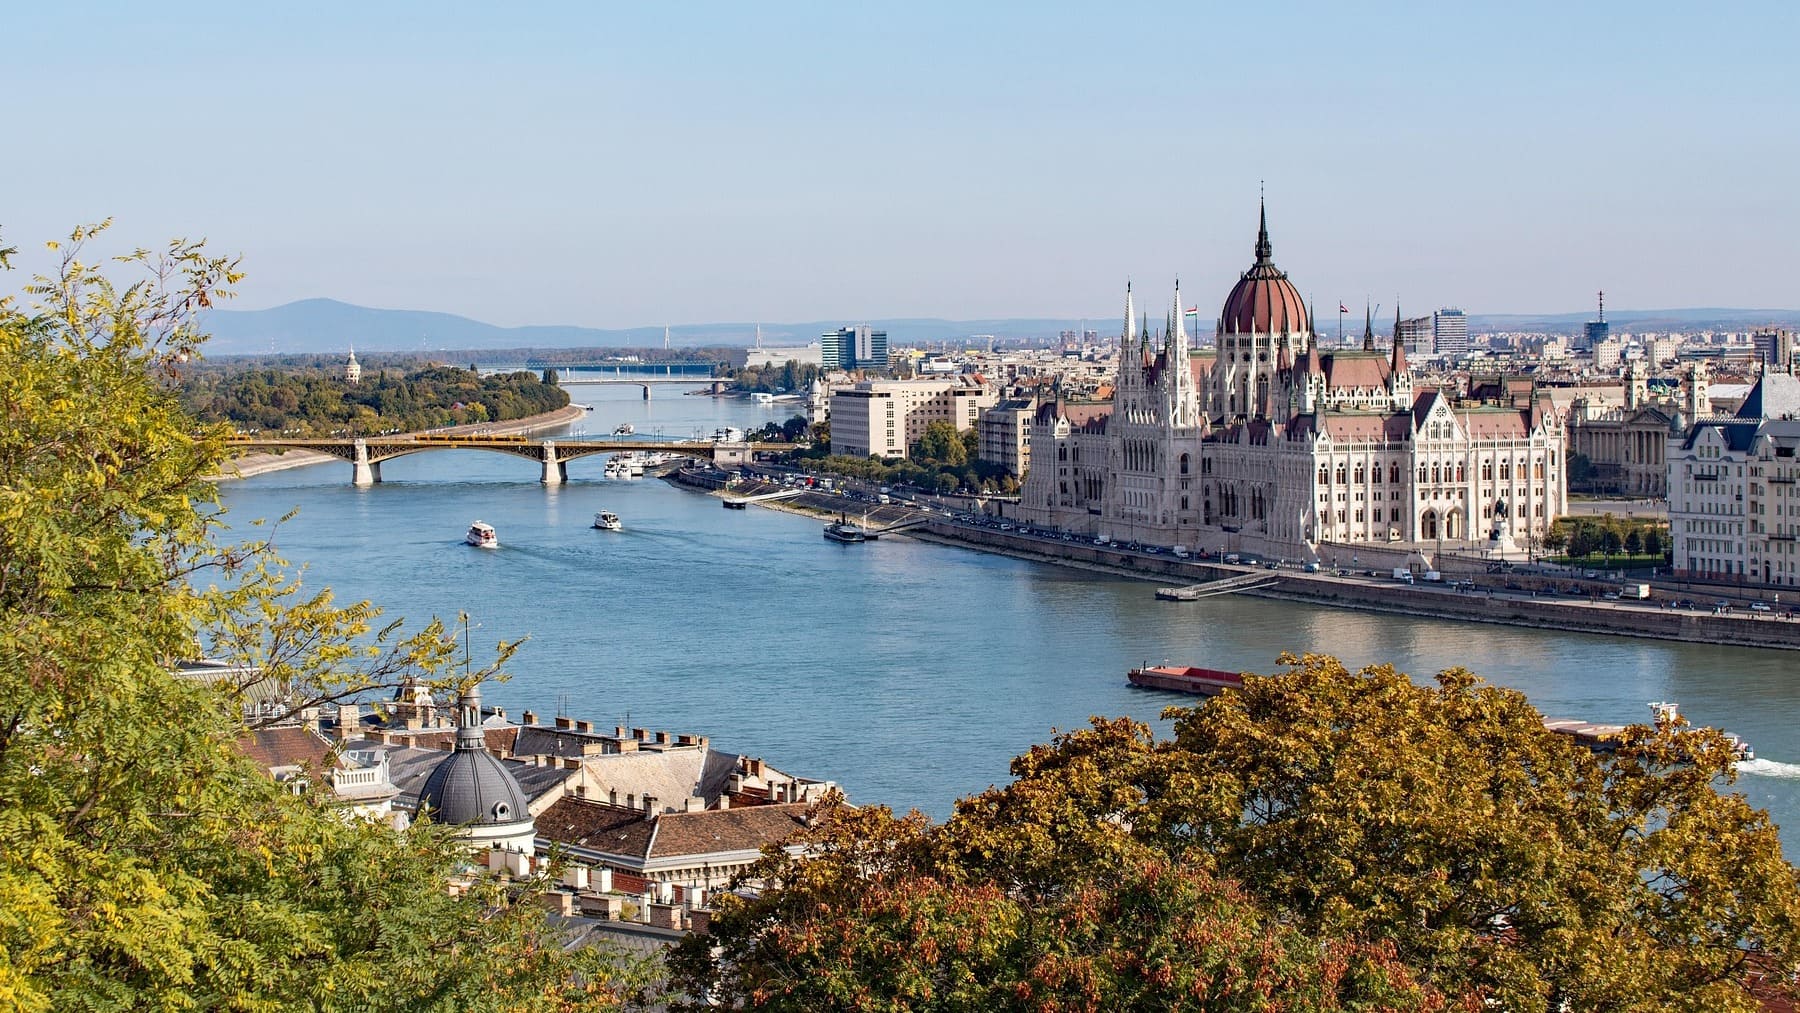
(638, 164)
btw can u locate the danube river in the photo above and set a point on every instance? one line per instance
(908, 672)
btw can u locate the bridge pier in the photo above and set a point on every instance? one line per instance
(646, 392)
(726, 455)
(364, 472)
(555, 472)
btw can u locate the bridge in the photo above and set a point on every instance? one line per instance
(365, 454)
(692, 369)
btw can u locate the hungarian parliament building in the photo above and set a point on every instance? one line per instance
(1266, 444)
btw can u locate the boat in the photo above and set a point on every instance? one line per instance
(1604, 738)
(624, 429)
(1186, 679)
(606, 520)
(843, 531)
(728, 434)
(482, 536)
(761, 398)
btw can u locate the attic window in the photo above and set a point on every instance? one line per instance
(502, 811)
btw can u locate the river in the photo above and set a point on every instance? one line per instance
(908, 672)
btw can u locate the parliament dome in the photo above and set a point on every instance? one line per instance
(1264, 301)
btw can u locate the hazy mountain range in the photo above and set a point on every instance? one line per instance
(326, 325)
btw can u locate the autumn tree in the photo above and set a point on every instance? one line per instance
(144, 863)
(1365, 841)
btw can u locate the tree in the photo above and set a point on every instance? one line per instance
(893, 914)
(941, 444)
(1386, 845)
(1653, 541)
(145, 863)
(1634, 542)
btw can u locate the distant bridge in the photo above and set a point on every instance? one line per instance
(691, 369)
(366, 454)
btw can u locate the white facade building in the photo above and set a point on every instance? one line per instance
(1268, 445)
(1734, 490)
(882, 418)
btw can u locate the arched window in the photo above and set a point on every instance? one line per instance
(1459, 471)
(1184, 468)
(1324, 475)
(1394, 473)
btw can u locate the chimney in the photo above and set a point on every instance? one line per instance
(649, 805)
(584, 726)
(662, 738)
(529, 718)
(618, 731)
(564, 723)
(349, 721)
(724, 802)
(684, 740)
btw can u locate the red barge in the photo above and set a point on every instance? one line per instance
(1186, 679)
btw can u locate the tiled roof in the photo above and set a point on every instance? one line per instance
(286, 747)
(615, 830)
(1366, 426)
(1494, 423)
(1355, 369)
(720, 830)
(1776, 395)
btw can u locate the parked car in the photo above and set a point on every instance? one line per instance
(1761, 606)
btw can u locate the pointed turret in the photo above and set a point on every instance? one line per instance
(1399, 363)
(1264, 252)
(1368, 328)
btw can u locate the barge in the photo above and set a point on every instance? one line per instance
(1186, 679)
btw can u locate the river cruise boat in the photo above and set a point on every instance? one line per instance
(1604, 738)
(1186, 679)
(482, 536)
(843, 531)
(606, 520)
(625, 429)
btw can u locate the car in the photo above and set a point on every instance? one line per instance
(1685, 603)
(1310, 568)
(1251, 561)
(1611, 596)
(1761, 606)
(1513, 585)
(1271, 565)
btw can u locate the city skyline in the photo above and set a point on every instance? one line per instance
(624, 168)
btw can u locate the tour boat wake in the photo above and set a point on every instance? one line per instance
(1768, 768)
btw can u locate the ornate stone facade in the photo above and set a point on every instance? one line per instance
(1268, 444)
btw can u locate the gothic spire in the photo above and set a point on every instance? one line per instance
(1263, 251)
(1368, 328)
(1399, 362)
(1130, 332)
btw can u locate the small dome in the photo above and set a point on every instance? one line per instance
(1264, 301)
(471, 788)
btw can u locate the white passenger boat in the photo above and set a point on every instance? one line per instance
(482, 536)
(606, 520)
(624, 429)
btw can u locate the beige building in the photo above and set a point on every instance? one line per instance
(882, 418)
(1006, 434)
(1734, 490)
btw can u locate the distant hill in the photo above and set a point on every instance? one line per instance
(326, 325)
(1634, 320)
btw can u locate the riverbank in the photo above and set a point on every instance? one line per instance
(1440, 601)
(252, 465)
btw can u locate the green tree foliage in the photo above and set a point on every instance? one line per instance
(145, 864)
(940, 444)
(317, 400)
(1367, 842)
(792, 376)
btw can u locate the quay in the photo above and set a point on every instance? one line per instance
(1485, 604)
(1209, 588)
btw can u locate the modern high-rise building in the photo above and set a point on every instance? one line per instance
(1449, 332)
(1417, 335)
(859, 347)
(1595, 331)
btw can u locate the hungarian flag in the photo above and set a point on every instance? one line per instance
(1342, 308)
(1191, 311)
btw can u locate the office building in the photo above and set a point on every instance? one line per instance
(860, 347)
(1449, 332)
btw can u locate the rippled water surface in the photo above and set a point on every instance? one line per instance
(909, 672)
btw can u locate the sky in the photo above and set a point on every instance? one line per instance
(615, 165)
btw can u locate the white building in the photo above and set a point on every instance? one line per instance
(805, 355)
(1734, 490)
(882, 418)
(1006, 434)
(1267, 445)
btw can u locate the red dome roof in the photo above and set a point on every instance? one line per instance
(1264, 301)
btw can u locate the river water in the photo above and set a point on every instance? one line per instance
(908, 672)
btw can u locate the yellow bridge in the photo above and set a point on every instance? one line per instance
(365, 454)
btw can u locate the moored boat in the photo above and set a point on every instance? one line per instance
(482, 536)
(843, 531)
(606, 520)
(624, 429)
(1186, 679)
